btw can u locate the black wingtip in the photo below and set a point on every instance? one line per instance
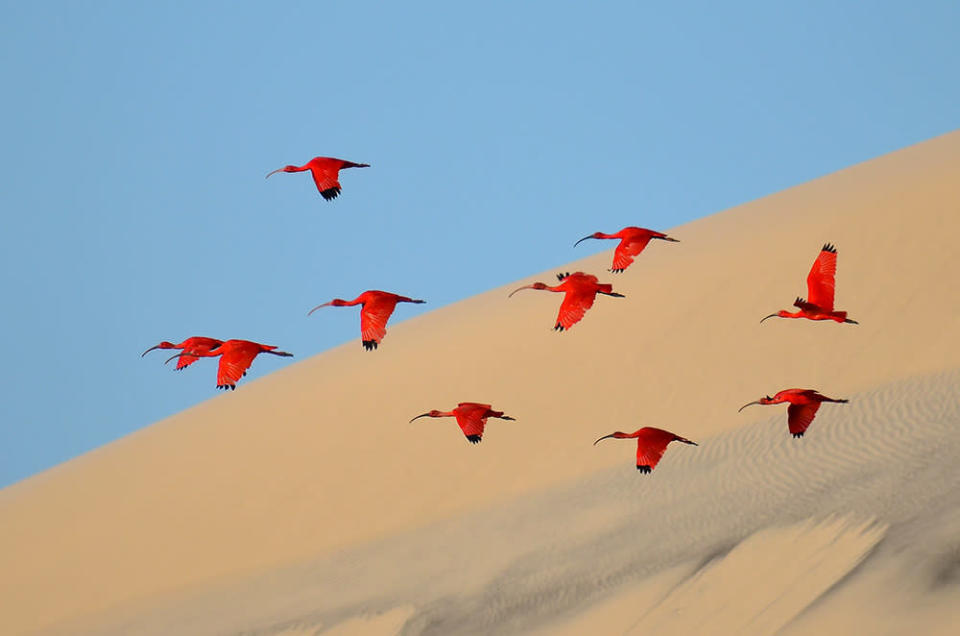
(563, 275)
(644, 469)
(473, 439)
(616, 271)
(330, 193)
(798, 435)
(829, 247)
(370, 345)
(558, 327)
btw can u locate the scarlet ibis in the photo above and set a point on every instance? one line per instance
(236, 356)
(377, 308)
(189, 346)
(821, 283)
(325, 171)
(471, 416)
(580, 289)
(632, 242)
(651, 444)
(803, 407)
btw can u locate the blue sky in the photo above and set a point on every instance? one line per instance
(135, 140)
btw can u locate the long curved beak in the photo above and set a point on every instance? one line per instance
(748, 404)
(318, 307)
(273, 173)
(149, 350)
(604, 437)
(770, 316)
(419, 416)
(582, 240)
(519, 288)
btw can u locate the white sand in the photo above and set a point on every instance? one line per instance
(305, 501)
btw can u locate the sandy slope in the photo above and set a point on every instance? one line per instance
(305, 499)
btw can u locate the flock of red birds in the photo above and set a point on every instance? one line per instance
(579, 289)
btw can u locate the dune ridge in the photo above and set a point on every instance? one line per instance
(281, 494)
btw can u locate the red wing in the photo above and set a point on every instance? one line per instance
(626, 250)
(326, 178)
(649, 452)
(575, 304)
(471, 420)
(185, 361)
(373, 319)
(197, 345)
(651, 444)
(234, 365)
(799, 417)
(821, 280)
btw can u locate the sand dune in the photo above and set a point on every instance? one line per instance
(305, 501)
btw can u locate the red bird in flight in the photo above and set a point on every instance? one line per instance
(632, 242)
(803, 407)
(580, 289)
(236, 356)
(325, 171)
(190, 348)
(651, 444)
(377, 308)
(821, 284)
(471, 416)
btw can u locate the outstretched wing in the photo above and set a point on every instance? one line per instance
(575, 304)
(234, 365)
(471, 419)
(325, 176)
(651, 444)
(374, 317)
(821, 280)
(196, 345)
(799, 417)
(626, 251)
(185, 360)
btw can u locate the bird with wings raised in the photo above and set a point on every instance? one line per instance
(821, 285)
